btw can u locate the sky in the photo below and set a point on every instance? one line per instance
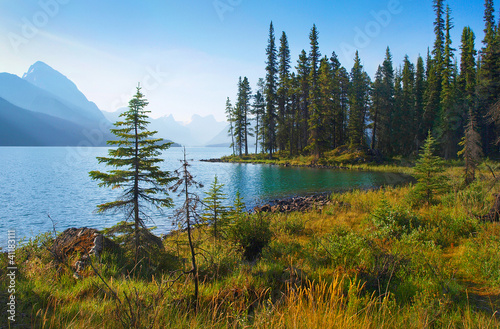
(188, 54)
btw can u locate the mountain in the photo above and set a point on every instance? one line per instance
(198, 132)
(46, 78)
(25, 95)
(20, 127)
(221, 139)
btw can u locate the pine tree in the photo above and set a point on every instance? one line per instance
(488, 87)
(376, 108)
(271, 85)
(449, 121)
(283, 93)
(428, 172)
(420, 84)
(215, 211)
(471, 149)
(230, 119)
(468, 78)
(358, 98)
(303, 71)
(136, 162)
(338, 115)
(386, 106)
(408, 128)
(435, 70)
(258, 111)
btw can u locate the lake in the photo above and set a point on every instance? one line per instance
(41, 181)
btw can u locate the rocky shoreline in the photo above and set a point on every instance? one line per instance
(297, 203)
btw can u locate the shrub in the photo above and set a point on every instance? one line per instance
(252, 233)
(341, 248)
(393, 222)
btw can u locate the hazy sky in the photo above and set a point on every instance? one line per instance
(188, 54)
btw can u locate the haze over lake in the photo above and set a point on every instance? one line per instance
(41, 181)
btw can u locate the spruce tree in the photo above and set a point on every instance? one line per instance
(136, 160)
(270, 91)
(429, 173)
(282, 134)
(303, 71)
(215, 212)
(420, 84)
(230, 119)
(449, 121)
(471, 149)
(376, 108)
(358, 101)
(258, 111)
(386, 107)
(408, 129)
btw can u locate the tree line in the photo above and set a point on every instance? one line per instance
(320, 106)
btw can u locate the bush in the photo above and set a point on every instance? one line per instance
(252, 233)
(340, 248)
(393, 222)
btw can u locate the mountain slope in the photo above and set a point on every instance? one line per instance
(46, 78)
(23, 94)
(20, 127)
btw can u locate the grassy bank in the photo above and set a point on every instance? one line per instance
(340, 158)
(371, 259)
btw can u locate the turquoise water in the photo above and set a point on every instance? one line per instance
(40, 181)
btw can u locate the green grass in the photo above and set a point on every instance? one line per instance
(371, 259)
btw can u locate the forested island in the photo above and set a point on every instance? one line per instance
(422, 255)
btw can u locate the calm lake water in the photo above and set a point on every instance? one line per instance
(40, 181)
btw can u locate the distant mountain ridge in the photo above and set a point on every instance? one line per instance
(198, 132)
(52, 81)
(58, 113)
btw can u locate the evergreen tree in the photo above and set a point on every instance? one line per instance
(408, 128)
(435, 70)
(488, 87)
(471, 149)
(358, 98)
(386, 106)
(283, 93)
(303, 71)
(215, 211)
(241, 116)
(420, 84)
(136, 162)
(239, 124)
(338, 115)
(468, 78)
(376, 108)
(230, 116)
(271, 94)
(428, 172)
(449, 122)
(258, 111)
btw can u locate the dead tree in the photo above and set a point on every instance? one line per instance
(187, 216)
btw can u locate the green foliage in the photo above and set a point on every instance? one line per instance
(393, 222)
(136, 162)
(154, 257)
(252, 233)
(481, 257)
(215, 212)
(342, 247)
(429, 173)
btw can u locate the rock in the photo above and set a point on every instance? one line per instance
(296, 204)
(80, 242)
